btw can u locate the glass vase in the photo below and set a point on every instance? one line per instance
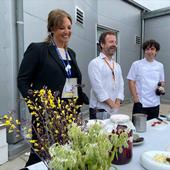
(126, 155)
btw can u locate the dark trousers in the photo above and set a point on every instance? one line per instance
(33, 159)
(93, 111)
(151, 112)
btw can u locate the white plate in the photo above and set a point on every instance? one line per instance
(149, 163)
(137, 143)
(136, 136)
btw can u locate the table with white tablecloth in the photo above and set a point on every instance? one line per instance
(155, 138)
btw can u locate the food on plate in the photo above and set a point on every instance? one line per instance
(156, 123)
(168, 159)
(155, 160)
(161, 158)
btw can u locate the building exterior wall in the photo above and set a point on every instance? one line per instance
(7, 55)
(158, 28)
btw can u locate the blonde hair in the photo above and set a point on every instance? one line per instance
(55, 20)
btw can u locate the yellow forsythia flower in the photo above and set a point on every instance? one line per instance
(17, 122)
(33, 141)
(10, 118)
(5, 116)
(38, 124)
(10, 130)
(13, 126)
(42, 92)
(35, 144)
(33, 113)
(70, 121)
(29, 130)
(28, 136)
(59, 105)
(29, 102)
(7, 123)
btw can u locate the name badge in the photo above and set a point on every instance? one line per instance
(70, 88)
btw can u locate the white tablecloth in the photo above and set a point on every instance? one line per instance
(155, 138)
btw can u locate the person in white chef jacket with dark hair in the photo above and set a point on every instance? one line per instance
(146, 81)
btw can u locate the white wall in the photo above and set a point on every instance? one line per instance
(7, 55)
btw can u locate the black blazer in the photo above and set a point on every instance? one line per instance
(41, 66)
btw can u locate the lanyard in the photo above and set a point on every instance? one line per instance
(111, 68)
(68, 66)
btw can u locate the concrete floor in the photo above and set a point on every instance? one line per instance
(20, 161)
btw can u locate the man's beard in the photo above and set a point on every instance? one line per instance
(111, 51)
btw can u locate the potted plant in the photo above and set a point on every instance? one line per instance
(89, 149)
(62, 141)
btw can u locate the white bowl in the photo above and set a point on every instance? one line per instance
(149, 163)
(119, 118)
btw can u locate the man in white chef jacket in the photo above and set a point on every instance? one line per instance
(143, 78)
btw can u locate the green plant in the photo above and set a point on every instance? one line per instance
(87, 149)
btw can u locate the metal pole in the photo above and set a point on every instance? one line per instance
(20, 44)
(19, 41)
(142, 33)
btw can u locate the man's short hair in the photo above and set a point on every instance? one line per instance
(103, 36)
(151, 43)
